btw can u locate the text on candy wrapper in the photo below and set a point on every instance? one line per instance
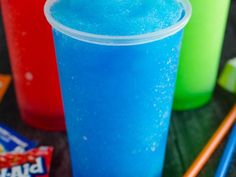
(26, 170)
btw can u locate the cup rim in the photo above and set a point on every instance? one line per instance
(118, 40)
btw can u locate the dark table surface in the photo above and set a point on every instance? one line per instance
(189, 130)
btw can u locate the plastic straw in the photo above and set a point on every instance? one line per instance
(211, 146)
(227, 155)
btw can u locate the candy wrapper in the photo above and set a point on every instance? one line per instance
(12, 141)
(4, 84)
(33, 163)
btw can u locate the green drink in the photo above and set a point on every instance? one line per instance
(200, 53)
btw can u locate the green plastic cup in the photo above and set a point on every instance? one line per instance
(200, 55)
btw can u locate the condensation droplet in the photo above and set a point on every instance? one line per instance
(85, 138)
(154, 147)
(161, 123)
(29, 76)
(169, 61)
(166, 114)
(23, 33)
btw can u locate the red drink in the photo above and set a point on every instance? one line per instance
(33, 63)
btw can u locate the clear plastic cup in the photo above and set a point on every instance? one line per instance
(117, 93)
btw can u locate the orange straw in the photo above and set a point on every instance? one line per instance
(212, 144)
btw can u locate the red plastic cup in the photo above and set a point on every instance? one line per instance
(33, 64)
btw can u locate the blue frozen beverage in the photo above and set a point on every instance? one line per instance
(117, 67)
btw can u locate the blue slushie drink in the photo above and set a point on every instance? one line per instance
(117, 63)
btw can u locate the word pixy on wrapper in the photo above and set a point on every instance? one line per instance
(4, 84)
(33, 163)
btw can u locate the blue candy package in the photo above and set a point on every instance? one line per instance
(10, 141)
